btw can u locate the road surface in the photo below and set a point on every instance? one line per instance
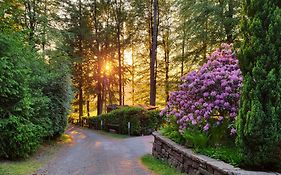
(92, 153)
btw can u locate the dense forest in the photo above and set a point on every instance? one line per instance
(120, 51)
(94, 53)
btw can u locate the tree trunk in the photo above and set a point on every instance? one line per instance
(80, 100)
(205, 44)
(229, 27)
(30, 7)
(183, 52)
(133, 76)
(80, 68)
(153, 55)
(44, 28)
(99, 81)
(119, 52)
(167, 60)
(123, 79)
(88, 108)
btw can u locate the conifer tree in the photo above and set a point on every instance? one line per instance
(259, 121)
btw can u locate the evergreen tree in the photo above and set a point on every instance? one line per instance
(259, 121)
(206, 24)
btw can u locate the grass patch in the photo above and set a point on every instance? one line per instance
(159, 167)
(113, 135)
(25, 167)
(38, 160)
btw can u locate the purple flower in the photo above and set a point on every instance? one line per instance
(206, 94)
(232, 131)
(194, 122)
(212, 90)
(206, 127)
(213, 93)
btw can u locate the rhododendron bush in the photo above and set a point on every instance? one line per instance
(209, 96)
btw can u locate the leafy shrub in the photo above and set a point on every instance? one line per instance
(228, 154)
(59, 91)
(95, 122)
(18, 137)
(152, 122)
(34, 97)
(141, 120)
(195, 138)
(205, 107)
(171, 130)
(209, 97)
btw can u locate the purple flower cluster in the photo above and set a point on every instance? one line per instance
(209, 96)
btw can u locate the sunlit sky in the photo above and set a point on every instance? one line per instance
(128, 56)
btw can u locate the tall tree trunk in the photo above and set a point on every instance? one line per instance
(205, 44)
(44, 28)
(167, 60)
(99, 80)
(153, 54)
(229, 27)
(123, 78)
(104, 91)
(80, 100)
(110, 96)
(88, 108)
(133, 76)
(30, 6)
(183, 52)
(118, 10)
(80, 67)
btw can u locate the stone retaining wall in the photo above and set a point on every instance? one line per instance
(194, 164)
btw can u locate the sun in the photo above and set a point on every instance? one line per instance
(107, 68)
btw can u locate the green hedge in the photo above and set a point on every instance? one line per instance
(141, 120)
(19, 137)
(34, 97)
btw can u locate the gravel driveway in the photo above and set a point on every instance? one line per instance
(91, 153)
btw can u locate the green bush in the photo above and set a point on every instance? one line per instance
(59, 91)
(124, 115)
(95, 122)
(34, 97)
(228, 154)
(18, 137)
(152, 122)
(196, 138)
(171, 130)
(141, 120)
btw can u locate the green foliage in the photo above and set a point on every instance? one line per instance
(216, 143)
(153, 122)
(259, 121)
(228, 154)
(209, 22)
(195, 138)
(34, 97)
(18, 137)
(59, 92)
(171, 130)
(141, 121)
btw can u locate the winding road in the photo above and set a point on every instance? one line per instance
(92, 153)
